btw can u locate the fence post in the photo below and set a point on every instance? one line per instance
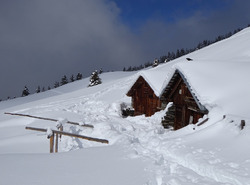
(51, 148)
(56, 145)
(242, 124)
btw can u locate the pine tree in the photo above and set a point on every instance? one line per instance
(38, 89)
(57, 84)
(25, 91)
(64, 80)
(178, 54)
(49, 88)
(78, 76)
(129, 69)
(72, 78)
(162, 59)
(94, 79)
(182, 52)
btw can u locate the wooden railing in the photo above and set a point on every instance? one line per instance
(55, 134)
(58, 133)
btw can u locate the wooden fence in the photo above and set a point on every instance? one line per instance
(58, 133)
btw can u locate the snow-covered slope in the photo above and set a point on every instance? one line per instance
(140, 151)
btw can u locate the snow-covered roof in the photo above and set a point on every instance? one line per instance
(156, 76)
(223, 85)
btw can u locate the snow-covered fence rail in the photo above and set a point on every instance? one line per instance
(56, 132)
(49, 119)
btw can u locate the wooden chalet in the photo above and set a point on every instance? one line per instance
(144, 100)
(186, 108)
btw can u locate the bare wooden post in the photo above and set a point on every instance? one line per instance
(56, 145)
(242, 124)
(51, 150)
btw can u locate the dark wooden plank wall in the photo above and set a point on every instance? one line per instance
(144, 100)
(186, 109)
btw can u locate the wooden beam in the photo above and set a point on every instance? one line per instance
(193, 109)
(175, 87)
(51, 144)
(49, 119)
(69, 134)
(242, 124)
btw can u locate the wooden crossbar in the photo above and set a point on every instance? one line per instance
(49, 119)
(69, 134)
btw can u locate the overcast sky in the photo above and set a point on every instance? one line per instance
(42, 40)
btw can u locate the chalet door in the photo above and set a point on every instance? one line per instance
(178, 118)
(181, 117)
(145, 101)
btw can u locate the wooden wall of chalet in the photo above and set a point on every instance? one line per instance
(186, 109)
(144, 100)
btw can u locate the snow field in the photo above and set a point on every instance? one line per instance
(140, 151)
(168, 157)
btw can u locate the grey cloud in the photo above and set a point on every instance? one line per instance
(40, 41)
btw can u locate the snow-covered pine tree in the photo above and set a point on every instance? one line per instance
(94, 79)
(25, 91)
(156, 62)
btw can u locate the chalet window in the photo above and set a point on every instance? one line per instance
(180, 91)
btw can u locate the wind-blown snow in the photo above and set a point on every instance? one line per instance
(140, 151)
